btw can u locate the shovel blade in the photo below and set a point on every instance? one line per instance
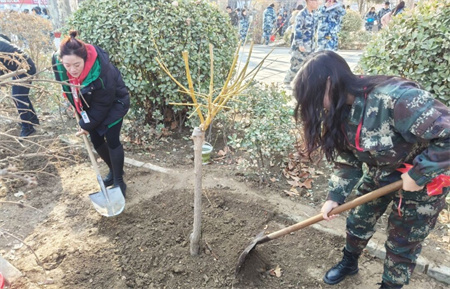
(109, 202)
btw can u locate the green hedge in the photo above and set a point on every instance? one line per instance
(415, 45)
(129, 29)
(262, 127)
(352, 34)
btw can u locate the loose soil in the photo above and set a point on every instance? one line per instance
(147, 246)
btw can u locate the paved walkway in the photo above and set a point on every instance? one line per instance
(278, 62)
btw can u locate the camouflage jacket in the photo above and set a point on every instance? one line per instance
(269, 18)
(383, 11)
(330, 19)
(400, 124)
(305, 29)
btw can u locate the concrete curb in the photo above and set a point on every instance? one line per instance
(75, 143)
(149, 166)
(441, 273)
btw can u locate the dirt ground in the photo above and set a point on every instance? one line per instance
(147, 246)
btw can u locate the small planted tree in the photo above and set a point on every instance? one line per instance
(415, 45)
(206, 106)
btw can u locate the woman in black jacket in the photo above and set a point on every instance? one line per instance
(101, 99)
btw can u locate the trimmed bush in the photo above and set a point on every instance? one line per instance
(352, 36)
(262, 126)
(352, 21)
(416, 46)
(30, 32)
(129, 31)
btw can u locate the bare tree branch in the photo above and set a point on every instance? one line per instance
(21, 205)
(38, 261)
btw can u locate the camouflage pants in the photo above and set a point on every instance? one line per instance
(329, 42)
(419, 213)
(297, 59)
(266, 35)
(242, 35)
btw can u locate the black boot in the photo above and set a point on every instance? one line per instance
(103, 152)
(386, 285)
(27, 130)
(347, 266)
(117, 159)
(26, 114)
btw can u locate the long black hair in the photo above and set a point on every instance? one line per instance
(398, 8)
(325, 129)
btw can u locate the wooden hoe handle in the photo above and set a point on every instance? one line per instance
(342, 208)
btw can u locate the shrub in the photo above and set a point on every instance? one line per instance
(415, 46)
(357, 40)
(352, 21)
(256, 27)
(352, 36)
(129, 30)
(31, 33)
(262, 127)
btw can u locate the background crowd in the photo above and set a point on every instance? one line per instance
(277, 22)
(313, 27)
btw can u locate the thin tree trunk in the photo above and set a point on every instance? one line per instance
(60, 10)
(53, 9)
(198, 136)
(361, 6)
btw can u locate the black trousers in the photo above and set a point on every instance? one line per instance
(111, 137)
(23, 104)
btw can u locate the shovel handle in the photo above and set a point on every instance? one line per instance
(88, 147)
(342, 208)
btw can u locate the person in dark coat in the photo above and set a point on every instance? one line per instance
(102, 99)
(19, 92)
(36, 10)
(280, 25)
(234, 17)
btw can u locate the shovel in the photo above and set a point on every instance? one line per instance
(261, 238)
(109, 201)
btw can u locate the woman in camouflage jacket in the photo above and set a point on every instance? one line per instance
(381, 122)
